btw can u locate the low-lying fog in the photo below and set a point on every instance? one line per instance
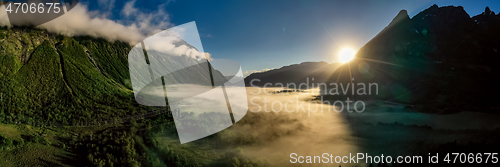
(328, 131)
(285, 123)
(324, 132)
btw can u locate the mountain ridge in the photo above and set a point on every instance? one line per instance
(49, 78)
(441, 57)
(438, 58)
(295, 73)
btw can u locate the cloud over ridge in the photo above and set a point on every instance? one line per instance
(134, 27)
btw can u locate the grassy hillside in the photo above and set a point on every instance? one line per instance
(109, 58)
(49, 79)
(67, 101)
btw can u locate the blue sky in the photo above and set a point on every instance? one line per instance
(271, 34)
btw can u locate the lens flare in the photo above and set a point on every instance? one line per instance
(346, 55)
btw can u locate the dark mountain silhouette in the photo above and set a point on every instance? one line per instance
(441, 57)
(296, 73)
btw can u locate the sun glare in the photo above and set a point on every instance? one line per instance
(346, 55)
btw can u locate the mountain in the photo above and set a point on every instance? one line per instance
(441, 57)
(47, 78)
(306, 72)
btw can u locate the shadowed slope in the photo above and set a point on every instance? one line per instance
(440, 57)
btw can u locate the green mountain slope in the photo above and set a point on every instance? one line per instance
(108, 58)
(47, 78)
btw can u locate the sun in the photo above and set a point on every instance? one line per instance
(346, 55)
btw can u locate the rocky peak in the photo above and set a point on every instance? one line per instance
(443, 19)
(401, 17)
(488, 12)
(486, 18)
(433, 9)
(452, 13)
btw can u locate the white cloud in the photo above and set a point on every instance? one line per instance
(81, 21)
(208, 56)
(173, 42)
(4, 18)
(134, 26)
(148, 22)
(129, 8)
(107, 5)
